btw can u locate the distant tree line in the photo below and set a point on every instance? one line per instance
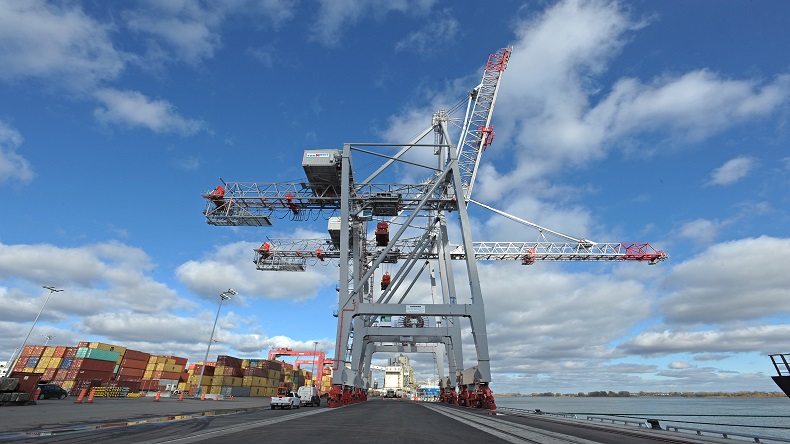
(624, 393)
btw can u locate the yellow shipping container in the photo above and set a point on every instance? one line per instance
(215, 389)
(219, 370)
(258, 391)
(108, 347)
(253, 381)
(67, 385)
(48, 351)
(233, 381)
(148, 374)
(274, 374)
(173, 368)
(245, 363)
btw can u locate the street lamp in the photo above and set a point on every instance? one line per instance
(48, 337)
(225, 295)
(22, 348)
(315, 358)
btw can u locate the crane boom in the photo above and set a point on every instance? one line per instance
(293, 254)
(478, 132)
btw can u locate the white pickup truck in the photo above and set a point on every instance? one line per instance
(285, 398)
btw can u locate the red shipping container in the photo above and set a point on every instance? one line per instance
(49, 374)
(229, 361)
(134, 363)
(84, 344)
(134, 385)
(70, 352)
(149, 384)
(184, 377)
(94, 375)
(61, 375)
(255, 371)
(32, 350)
(209, 371)
(233, 371)
(156, 375)
(136, 356)
(59, 352)
(96, 365)
(170, 375)
(28, 382)
(130, 372)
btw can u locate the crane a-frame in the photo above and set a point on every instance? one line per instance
(421, 213)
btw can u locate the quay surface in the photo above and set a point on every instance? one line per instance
(142, 420)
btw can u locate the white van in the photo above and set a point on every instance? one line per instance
(309, 396)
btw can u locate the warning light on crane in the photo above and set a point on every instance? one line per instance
(382, 234)
(264, 250)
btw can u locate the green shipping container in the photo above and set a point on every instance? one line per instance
(95, 353)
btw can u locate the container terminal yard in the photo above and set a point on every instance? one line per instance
(122, 395)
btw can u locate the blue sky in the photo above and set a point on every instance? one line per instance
(661, 122)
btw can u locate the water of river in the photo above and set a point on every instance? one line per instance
(755, 416)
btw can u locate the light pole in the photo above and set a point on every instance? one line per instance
(225, 295)
(315, 358)
(22, 348)
(48, 338)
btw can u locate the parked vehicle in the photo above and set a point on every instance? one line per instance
(390, 393)
(308, 395)
(285, 398)
(51, 391)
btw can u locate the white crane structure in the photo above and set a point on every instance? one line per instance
(420, 211)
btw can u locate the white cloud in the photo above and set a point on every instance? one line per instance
(13, 167)
(761, 339)
(732, 171)
(134, 109)
(191, 31)
(334, 15)
(103, 276)
(677, 365)
(701, 231)
(232, 265)
(56, 43)
(739, 280)
(432, 38)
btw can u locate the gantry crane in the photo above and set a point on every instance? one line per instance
(420, 211)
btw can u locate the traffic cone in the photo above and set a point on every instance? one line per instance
(36, 394)
(231, 397)
(82, 395)
(158, 394)
(90, 395)
(181, 396)
(202, 396)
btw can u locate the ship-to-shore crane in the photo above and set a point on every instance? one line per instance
(420, 212)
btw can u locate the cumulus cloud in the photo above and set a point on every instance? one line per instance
(701, 231)
(56, 43)
(443, 27)
(13, 167)
(762, 339)
(105, 275)
(730, 281)
(334, 15)
(134, 109)
(233, 263)
(191, 31)
(732, 171)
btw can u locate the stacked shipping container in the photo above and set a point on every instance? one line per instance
(95, 364)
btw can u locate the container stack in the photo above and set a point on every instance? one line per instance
(120, 370)
(164, 373)
(131, 369)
